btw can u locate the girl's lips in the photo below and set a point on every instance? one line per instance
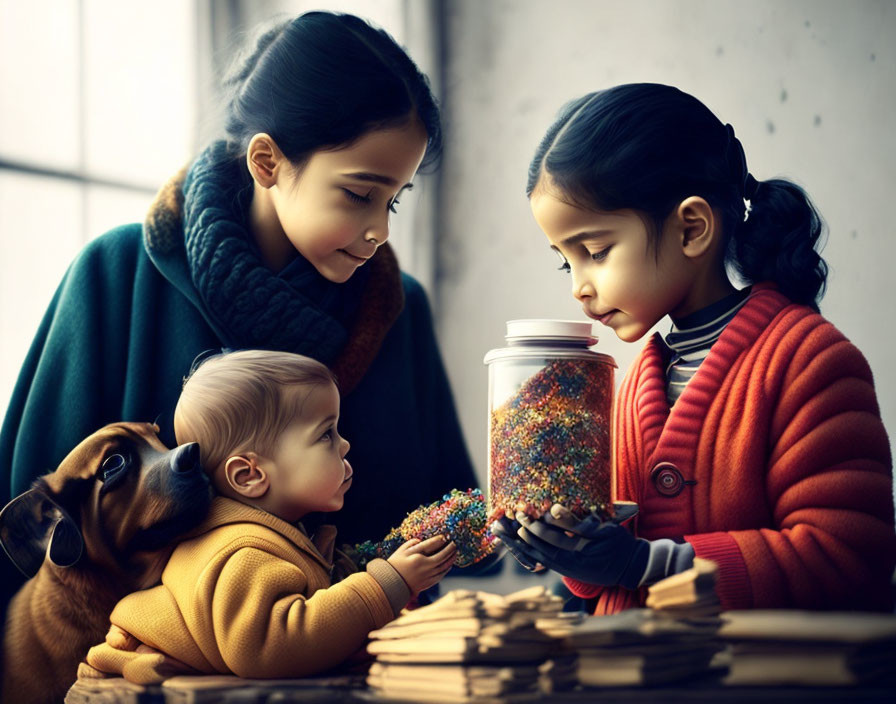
(358, 260)
(605, 318)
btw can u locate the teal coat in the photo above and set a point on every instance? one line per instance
(120, 335)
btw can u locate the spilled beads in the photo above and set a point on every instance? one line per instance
(550, 442)
(460, 515)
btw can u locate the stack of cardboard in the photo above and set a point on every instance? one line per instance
(689, 594)
(470, 646)
(675, 639)
(474, 646)
(641, 647)
(816, 648)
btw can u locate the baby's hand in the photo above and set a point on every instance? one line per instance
(422, 564)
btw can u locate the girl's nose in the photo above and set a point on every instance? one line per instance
(378, 230)
(344, 446)
(583, 290)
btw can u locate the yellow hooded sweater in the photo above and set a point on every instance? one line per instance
(251, 595)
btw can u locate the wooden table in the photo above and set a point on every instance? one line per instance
(337, 690)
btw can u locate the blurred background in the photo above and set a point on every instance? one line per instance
(101, 101)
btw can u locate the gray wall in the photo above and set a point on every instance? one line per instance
(807, 84)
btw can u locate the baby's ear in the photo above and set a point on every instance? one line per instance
(245, 476)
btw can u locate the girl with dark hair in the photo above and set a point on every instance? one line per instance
(751, 434)
(273, 238)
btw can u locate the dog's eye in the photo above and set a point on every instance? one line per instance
(112, 465)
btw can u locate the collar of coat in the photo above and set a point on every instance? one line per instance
(195, 235)
(225, 511)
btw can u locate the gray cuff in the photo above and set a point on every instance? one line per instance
(666, 558)
(396, 589)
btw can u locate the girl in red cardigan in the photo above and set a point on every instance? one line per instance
(751, 435)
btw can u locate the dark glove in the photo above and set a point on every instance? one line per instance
(591, 550)
(506, 531)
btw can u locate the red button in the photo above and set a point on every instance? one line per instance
(668, 480)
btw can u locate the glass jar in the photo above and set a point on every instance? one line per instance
(550, 406)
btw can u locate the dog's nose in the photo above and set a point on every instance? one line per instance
(185, 458)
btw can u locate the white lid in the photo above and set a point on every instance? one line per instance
(551, 330)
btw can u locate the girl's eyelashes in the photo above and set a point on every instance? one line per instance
(596, 256)
(356, 197)
(327, 435)
(564, 265)
(601, 255)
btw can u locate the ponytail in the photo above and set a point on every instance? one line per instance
(777, 242)
(647, 147)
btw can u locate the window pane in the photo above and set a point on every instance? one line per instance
(40, 233)
(111, 207)
(140, 88)
(39, 82)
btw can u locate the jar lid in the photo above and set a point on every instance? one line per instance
(531, 329)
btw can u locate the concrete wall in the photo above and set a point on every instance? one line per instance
(808, 85)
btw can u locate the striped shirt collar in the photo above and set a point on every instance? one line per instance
(701, 329)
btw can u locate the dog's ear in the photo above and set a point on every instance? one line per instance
(66, 543)
(33, 526)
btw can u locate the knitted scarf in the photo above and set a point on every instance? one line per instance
(202, 210)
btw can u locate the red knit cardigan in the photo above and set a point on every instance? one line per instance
(780, 432)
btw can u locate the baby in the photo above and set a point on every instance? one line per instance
(249, 592)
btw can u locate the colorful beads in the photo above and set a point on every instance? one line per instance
(550, 442)
(460, 516)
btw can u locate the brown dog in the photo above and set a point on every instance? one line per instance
(96, 529)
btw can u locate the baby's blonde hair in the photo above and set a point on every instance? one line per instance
(243, 401)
